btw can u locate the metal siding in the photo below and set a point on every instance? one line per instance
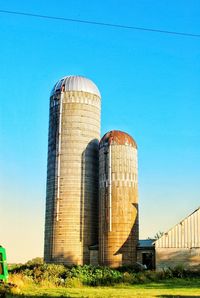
(76, 83)
(183, 235)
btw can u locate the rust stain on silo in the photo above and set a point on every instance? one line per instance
(117, 137)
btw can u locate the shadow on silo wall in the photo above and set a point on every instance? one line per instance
(51, 182)
(60, 258)
(129, 247)
(89, 198)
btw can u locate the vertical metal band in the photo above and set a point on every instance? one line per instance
(58, 157)
(110, 187)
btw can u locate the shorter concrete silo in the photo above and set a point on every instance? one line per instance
(118, 199)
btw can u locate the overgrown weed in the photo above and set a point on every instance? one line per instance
(53, 275)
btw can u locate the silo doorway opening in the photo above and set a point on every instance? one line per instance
(147, 260)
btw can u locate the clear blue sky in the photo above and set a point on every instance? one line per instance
(150, 88)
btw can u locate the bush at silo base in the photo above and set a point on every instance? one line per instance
(78, 276)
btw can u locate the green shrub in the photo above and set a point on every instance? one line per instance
(35, 261)
(176, 272)
(137, 267)
(50, 272)
(76, 276)
(73, 282)
(142, 278)
(153, 276)
(95, 276)
(3, 290)
(129, 278)
(179, 271)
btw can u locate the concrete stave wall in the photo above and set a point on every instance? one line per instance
(75, 227)
(118, 246)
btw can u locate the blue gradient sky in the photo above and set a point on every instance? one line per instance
(150, 88)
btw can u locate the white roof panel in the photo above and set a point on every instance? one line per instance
(76, 83)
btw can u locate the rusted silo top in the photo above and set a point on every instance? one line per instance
(117, 137)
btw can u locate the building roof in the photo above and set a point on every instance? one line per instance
(76, 83)
(146, 243)
(185, 234)
(117, 137)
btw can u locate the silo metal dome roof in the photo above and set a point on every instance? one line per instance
(117, 137)
(76, 83)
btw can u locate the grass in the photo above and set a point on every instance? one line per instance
(168, 288)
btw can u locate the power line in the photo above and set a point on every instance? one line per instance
(99, 23)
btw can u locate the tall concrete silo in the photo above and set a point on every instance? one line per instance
(71, 222)
(118, 199)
